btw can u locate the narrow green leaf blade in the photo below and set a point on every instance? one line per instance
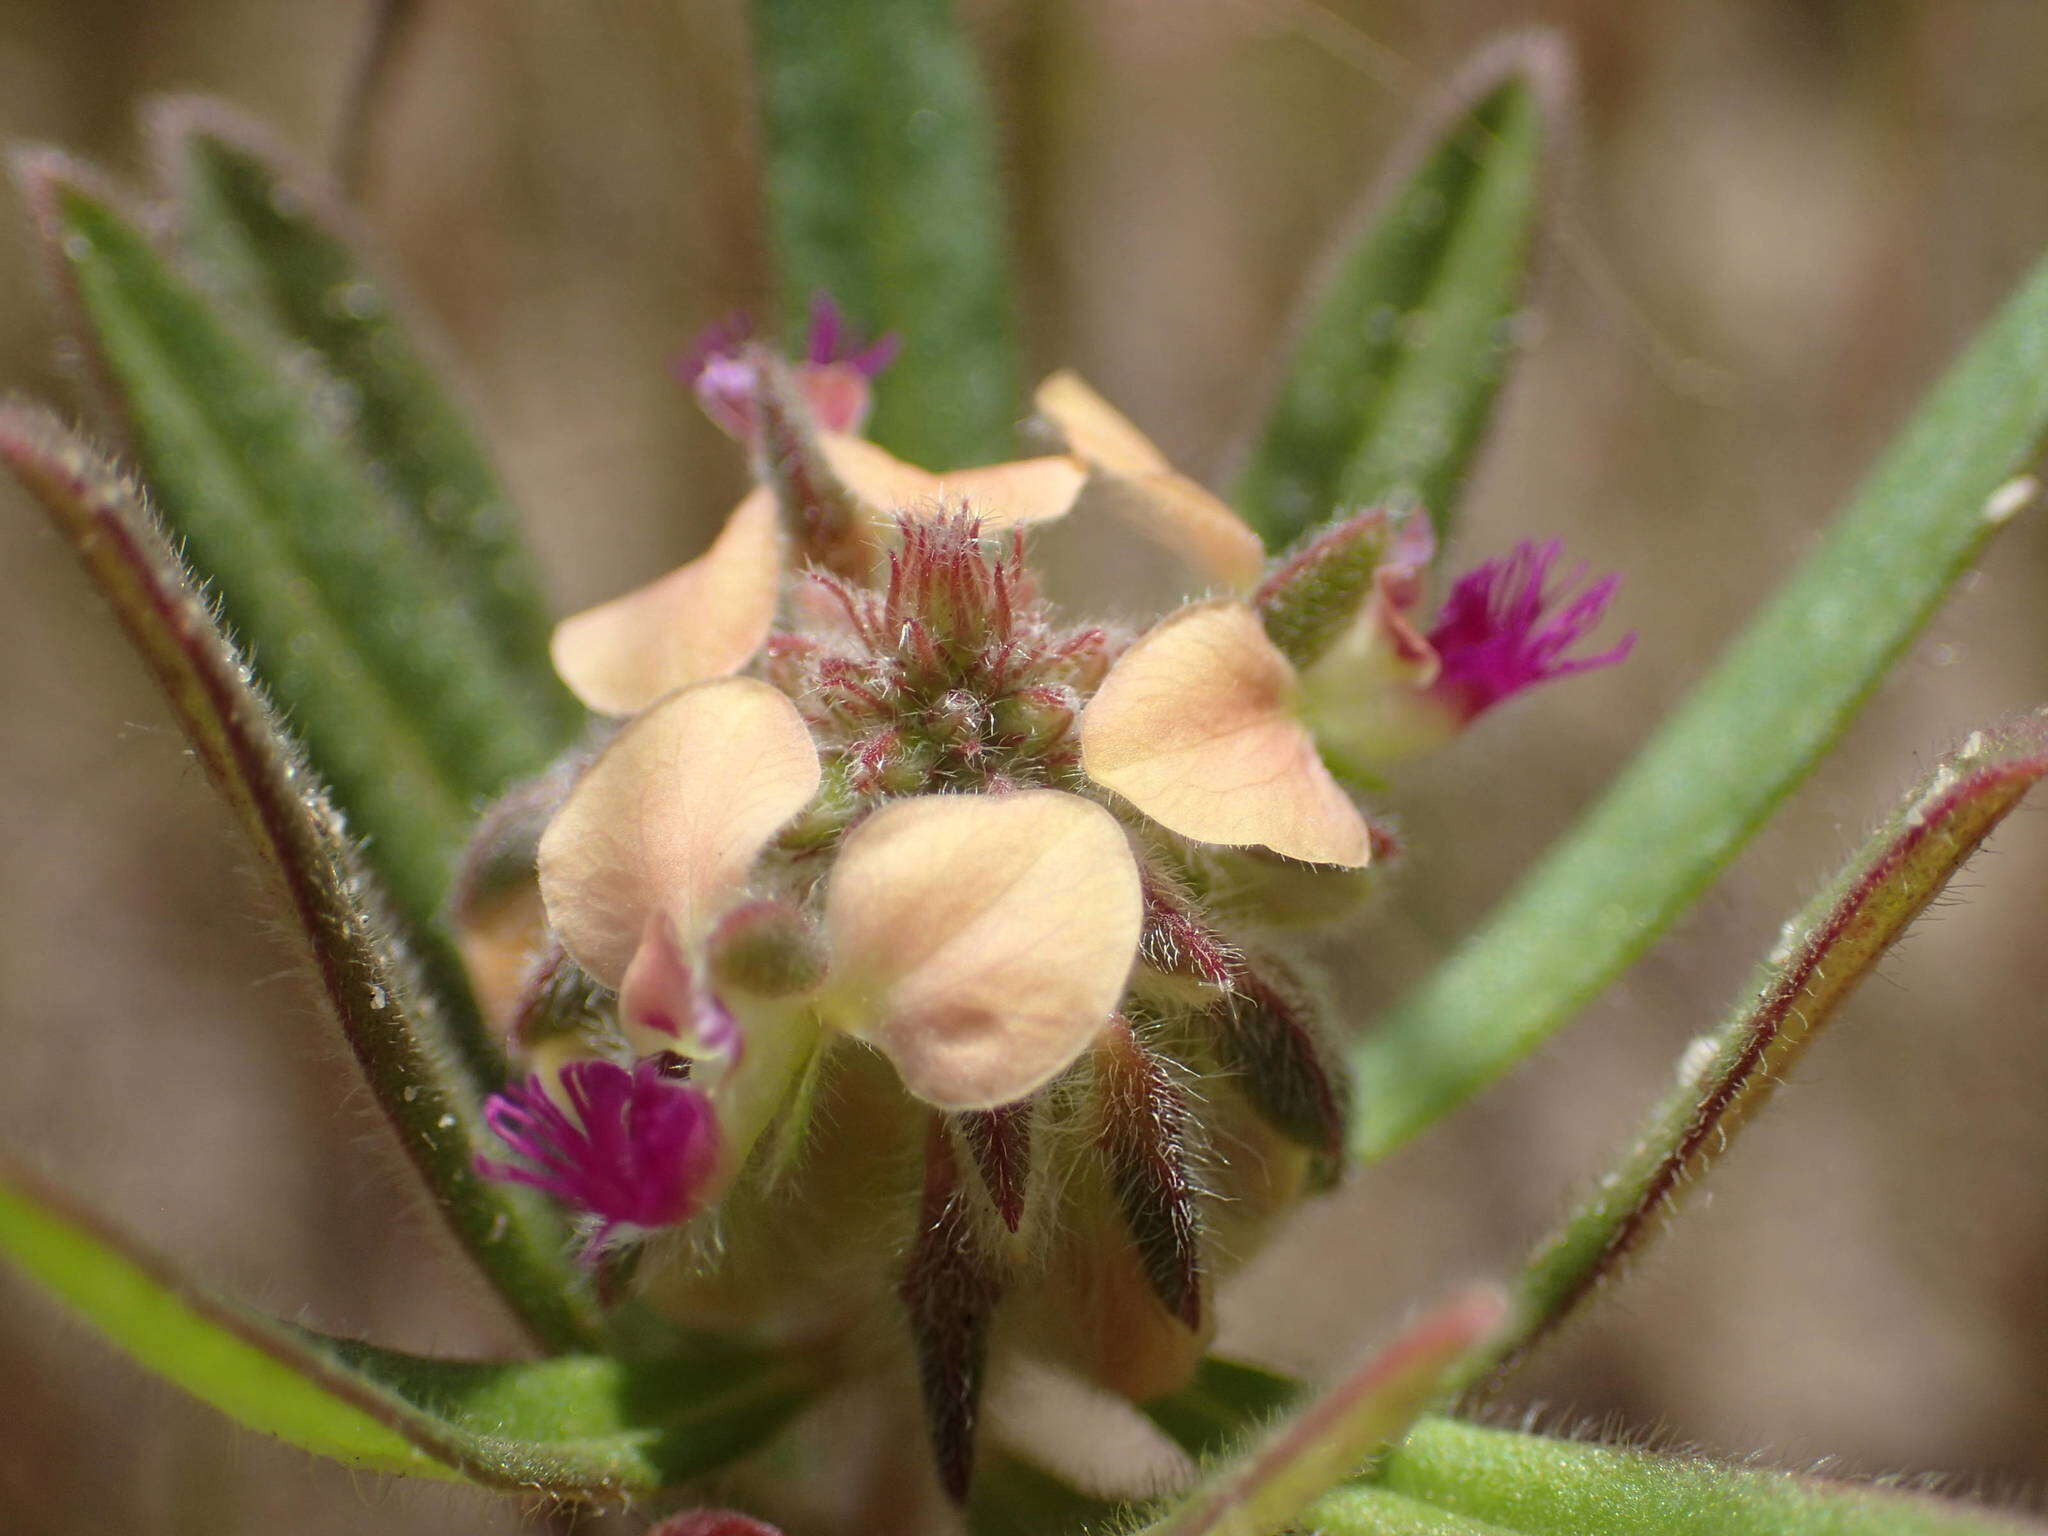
(1735, 748)
(883, 192)
(1543, 1487)
(1393, 375)
(395, 690)
(409, 1050)
(1826, 952)
(575, 1425)
(167, 1331)
(1333, 1435)
(270, 236)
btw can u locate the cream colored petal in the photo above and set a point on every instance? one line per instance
(1095, 430)
(1195, 524)
(702, 620)
(1016, 494)
(1196, 726)
(981, 942)
(878, 477)
(1134, 480)
(671, 816)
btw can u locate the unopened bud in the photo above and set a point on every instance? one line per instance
(1034, 719)
(498, 864)
(558, 1013)
(766, 949)
(1320, 587)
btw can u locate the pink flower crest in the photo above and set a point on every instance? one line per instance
(1507, 626)
(640, 1144)
(834, 374)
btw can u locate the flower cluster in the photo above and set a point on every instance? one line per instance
(889, 957)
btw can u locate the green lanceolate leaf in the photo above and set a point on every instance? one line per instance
(574, 1425)
(1333, 1435)
(1824, 955)
(883, 193)
(1392, 376)
(1737, 746)
(406, 1046)
(1536, 1486)
(270, 237)
(393, 686)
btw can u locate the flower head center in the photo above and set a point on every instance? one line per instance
(951, 672)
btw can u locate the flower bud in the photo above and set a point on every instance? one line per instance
(1035, 719)
(767, 949)
(1318, 589)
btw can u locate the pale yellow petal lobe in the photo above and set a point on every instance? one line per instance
(702, 620)
(1016, 494)
(1132, 479)
(1002, 495)
(878, 477)
(671, 816)
(1095, 430)
(1196, 726)
(981, 942)
(1195, 524)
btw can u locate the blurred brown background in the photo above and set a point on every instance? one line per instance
(1785, 216)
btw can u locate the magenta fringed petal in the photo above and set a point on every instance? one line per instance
(635, 1153)
(1507, 625)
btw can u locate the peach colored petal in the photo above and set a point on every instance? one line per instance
(1194, 524)
(1001, 495)
(1133, 478)
(671, 816)
(702, 620)
(981, 942)
(1019, 493)
(1196, 726)
(1095, 430)
(878, 477)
